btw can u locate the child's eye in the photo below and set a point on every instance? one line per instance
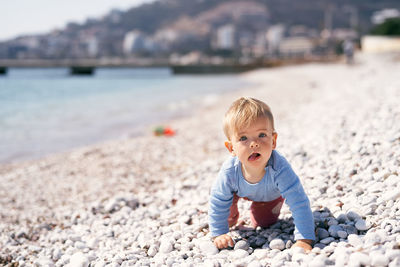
(262, 135)
(243, 138)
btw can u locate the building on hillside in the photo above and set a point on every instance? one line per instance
(296, 47)
(274, 37)
(134, 41)
(92, 46)
(224, 38)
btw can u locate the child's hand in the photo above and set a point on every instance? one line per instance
(223, 241)
(304, 243)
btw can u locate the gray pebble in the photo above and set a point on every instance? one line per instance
(327, 240)
(333, 230)
(241, 245)
(361, 225)
(288, 244)
(322, 233)
(342, 234)
(277, 244)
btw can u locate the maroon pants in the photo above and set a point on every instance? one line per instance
(262, 214)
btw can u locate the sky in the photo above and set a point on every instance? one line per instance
(18, 17)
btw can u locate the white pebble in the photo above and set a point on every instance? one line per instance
(260, 253)
(277, 244)
(166, 247)
(354, 240)
(362, 225)
(358, 259)
(78, 260)
(379, 259)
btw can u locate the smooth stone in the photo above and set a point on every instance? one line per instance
(358, 259)
(260, 253)
(353, 216)
(372, 238)
(288, 244)
(327, 240)
(152, 251)
(320, 246)
(342, 218)
(277, 244)
(297, 250)
(317, 263)
(240, 253)
(378, 259)
(391, 195)
(332, 221)
(350, 229)
(208, 248)
(322, 233)
(254, 264)
(355, 240)
(392, 254)
(166, 247)
(333, 229)
(241, 245)
(260, 241)
(362, 225)
(79, 260)
(342, 234)
(44, 261)
(56, 255)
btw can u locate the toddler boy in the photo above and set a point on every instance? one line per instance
(258, 173)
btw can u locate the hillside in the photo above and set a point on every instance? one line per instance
(167, 26)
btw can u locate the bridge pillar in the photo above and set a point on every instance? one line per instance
(3, 70)
(78, 70)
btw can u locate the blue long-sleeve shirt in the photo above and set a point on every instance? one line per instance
(279, 180)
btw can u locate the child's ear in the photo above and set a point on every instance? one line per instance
(228, 145)
(274, 137)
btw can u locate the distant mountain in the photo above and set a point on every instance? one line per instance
(154, 24)
(150, 17)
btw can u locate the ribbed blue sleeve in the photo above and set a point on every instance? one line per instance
(221, 197)
(291, 189)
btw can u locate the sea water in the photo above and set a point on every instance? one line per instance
(46, 110)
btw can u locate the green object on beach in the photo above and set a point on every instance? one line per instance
(159, 130)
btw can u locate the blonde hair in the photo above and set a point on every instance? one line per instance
(243, 112)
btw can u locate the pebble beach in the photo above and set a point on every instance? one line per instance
(143, 201)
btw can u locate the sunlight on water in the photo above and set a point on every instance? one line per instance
(44, 111)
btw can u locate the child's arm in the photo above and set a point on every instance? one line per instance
(291, 189)
(221, 197)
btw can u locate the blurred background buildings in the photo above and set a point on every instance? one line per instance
(211, 30)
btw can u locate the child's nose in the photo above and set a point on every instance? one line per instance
(253, 144)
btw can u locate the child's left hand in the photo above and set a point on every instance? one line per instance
(304, 243)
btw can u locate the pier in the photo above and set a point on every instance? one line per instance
(88, 66)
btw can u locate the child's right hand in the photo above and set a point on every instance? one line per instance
(223, 241)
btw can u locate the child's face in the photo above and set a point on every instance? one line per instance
(253, 145)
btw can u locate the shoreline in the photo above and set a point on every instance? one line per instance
(143, 200)
(126, 120)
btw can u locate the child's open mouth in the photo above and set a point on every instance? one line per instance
(254, 156)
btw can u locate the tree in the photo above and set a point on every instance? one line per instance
(389, 27)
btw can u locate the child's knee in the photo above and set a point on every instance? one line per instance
(277, 208)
